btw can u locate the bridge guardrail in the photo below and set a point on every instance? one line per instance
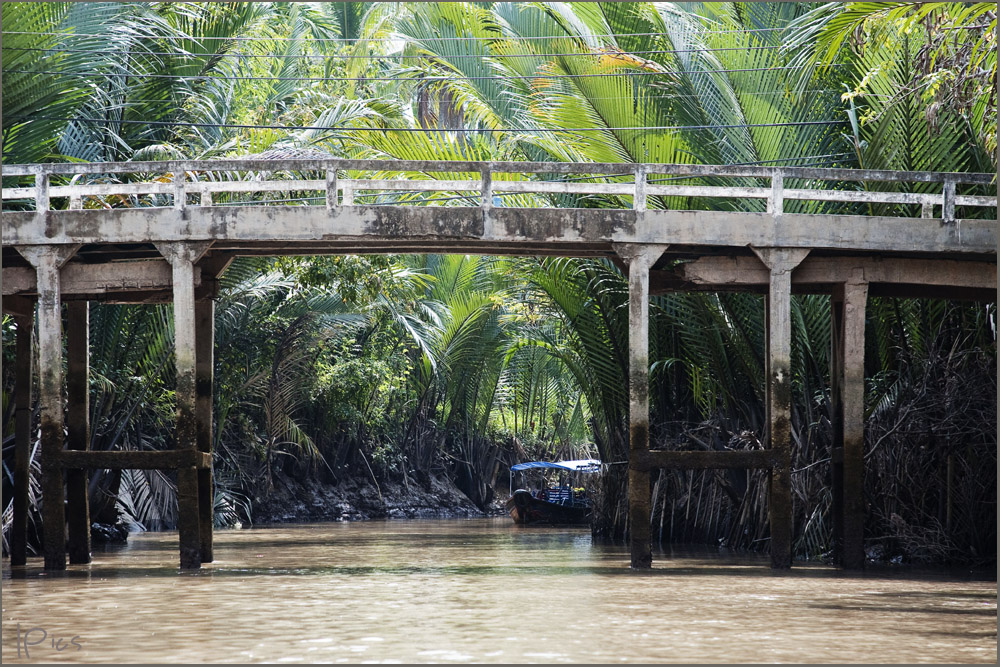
(204, 178)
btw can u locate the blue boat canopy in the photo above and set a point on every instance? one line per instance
(582, 465)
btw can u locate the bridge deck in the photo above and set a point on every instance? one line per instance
(558, 208)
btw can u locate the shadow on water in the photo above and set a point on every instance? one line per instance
(663, 568)
(899, 609)
(278, 547)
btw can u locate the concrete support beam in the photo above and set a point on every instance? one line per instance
(163, 459)
(94, 279)
(703, 460)
(640, 258)
(740, 272)
(780, 263)
(78, 427)
(48, 260)
(204, 377)
(182, 257)
(23, 371)
(847, 395)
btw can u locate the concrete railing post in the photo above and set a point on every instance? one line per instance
(331, 189)
(182, 257)
(78, 427)
(776, 198)
(486, 190)
(778, 379)
(641, 180)
(948, 202)
(48, 260)
(486, 201)
(41, 189)
(847, 373)
(180, 191)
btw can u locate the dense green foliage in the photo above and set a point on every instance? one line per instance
(408, 367)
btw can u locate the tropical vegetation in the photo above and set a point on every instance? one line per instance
(415, 367)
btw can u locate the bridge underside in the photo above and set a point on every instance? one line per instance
(77, 256)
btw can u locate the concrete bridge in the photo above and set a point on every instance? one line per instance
(170, 230)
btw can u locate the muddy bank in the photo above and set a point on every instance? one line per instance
(308, 500)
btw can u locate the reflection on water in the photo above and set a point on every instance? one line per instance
(482, 591)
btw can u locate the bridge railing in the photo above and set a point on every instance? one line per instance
(484, 182)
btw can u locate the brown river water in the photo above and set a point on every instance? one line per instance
(480, 590)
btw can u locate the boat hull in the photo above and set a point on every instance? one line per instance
(526, 509)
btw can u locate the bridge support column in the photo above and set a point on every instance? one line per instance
(777, 376)
(23, 371)
(78, 427)
(204, 365)
(182, 257)
(847, 394)
(640, 258)
(48, 260)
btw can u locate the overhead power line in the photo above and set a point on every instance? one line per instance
(202, 77)
(362, 40)
(421, 129)
(342, 56)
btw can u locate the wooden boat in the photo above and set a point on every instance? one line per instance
(526, 508)
(554, 504)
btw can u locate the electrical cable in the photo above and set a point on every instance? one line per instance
(506, 77)
(421, 129)
(389, 38)
(315, 56)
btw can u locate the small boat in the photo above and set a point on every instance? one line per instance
(561, 504)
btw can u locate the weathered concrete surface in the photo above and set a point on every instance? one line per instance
(640, 259)
(182, 257)
(778, 361)
(204, 312)
(47, 261)
(723, 272)
(86, 279)
(78, 427)
(848, 393)
(434, 225)
(23, 372)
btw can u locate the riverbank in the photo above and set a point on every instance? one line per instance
(309, 500)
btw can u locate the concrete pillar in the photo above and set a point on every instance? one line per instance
(78, 427)
(640, 258)
(638, 408)
(182, 257)
(204, 365)
(836, 421)
(48, 260)
(847, 374)
(780, 263)
(23, 371)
